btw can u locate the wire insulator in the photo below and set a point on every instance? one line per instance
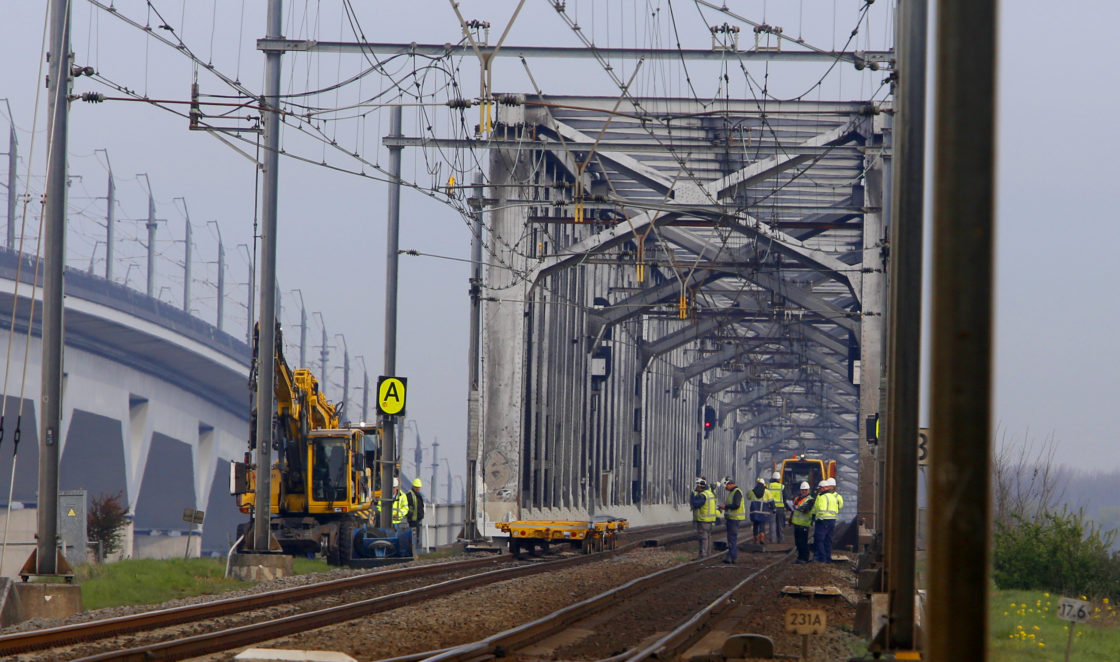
(511, 99)
(92, 97)
(459, 103)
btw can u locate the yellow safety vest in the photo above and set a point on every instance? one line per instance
(741, 511)
(799, 518)
(707, 512)
(400, 508)
(774, 493)
(827, 505)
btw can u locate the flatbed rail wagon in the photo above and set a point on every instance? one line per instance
(588, 535)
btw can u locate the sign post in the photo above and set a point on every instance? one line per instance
(806, 622)
(1074, 611)
(192, 517)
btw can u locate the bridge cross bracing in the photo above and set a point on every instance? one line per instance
(761, 220)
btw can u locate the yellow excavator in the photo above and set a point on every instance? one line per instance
(324, 475)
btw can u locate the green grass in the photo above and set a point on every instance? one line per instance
(305, 566)
(148, 581)
(1024, 629)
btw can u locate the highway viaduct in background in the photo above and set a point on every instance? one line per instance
(155, 405)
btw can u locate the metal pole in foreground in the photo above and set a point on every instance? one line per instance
(963, 225)
(267, 347)
(470, 516)
(388, 427)
(905, 323)
(54, 254)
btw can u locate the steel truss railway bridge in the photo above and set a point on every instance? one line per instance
(652, 258)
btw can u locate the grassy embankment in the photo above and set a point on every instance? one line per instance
(147, 581)
(1025, 629)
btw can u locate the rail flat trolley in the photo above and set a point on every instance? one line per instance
(588, 535)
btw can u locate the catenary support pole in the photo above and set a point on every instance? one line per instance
(221, 281)
(470, 507)
(54, 256)
(365, 394)
(388, 427)
(250, 307)
(324, 352)
(435, 467)
(302, 332)
(266, 367)
(187, 261)
(110, 221)
(960, 406)
(345, 378)
(417, 450)
(151, 225)
(13, 158)
(905, 322)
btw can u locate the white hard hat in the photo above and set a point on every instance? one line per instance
(831, 482)
(396, 482)
(804, 485)
(823, 483)
(776, 476)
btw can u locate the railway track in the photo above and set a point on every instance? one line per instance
(603, 622)
(449, 578)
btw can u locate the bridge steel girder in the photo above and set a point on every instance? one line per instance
(734, 379)
(807, 300)
(637, 304)
(726, 355)
(712, 191)
(624, 162)
(748, 399)
(770, 442)
(681, 337)
(739, 428)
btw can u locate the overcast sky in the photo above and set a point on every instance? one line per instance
(1057, 234)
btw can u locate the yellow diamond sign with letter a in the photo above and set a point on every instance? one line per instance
(391, 395)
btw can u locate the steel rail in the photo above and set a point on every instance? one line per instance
(510, 640)
(20, 642)
(239, 636)
(101, 629)
(693, 629)
(506, 642)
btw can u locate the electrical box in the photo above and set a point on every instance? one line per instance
(72, 525)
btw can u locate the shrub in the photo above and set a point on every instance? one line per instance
(105, 523)
(1059, 551)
